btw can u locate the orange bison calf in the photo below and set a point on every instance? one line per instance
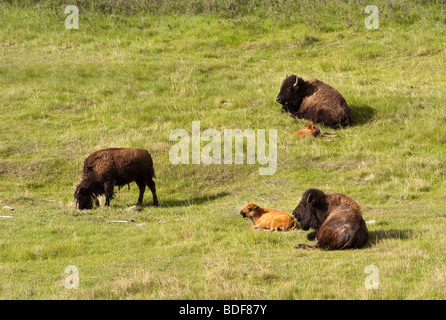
(336, 218)
(107, 168)
(311, 129)
(268, 219)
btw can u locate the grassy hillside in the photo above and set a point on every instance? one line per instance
(134, 71)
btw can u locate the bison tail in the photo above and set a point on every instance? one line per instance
(350, 239)
(348, 243)
(356, 239)
(153, 173)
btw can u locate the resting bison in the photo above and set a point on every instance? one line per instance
(268, 219)
(336, 218)
(314, 131)
(314, 100)
(107, 168)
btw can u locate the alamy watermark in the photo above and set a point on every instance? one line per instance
(72, 280)
(212, 152)
(372, 21)
(372, 281)
(72, 20)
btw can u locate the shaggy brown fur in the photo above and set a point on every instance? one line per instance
(314, 100)
(107, 168)
(268, 219)
(336, 218)
(312, 130)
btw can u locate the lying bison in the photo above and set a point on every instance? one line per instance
(314, 100)
(107, 168)
(336, 218)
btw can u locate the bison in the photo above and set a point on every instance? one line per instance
(106, 168)
(268, 219)
(314, 100)
(336, 218)
(314, 131)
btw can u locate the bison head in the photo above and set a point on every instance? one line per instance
(248, 211)
(83, 196)
(291, 93)
(310, 208)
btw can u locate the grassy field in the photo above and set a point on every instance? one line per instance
(134, 71)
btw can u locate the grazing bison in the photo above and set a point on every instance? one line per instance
(336, 218)
(107, 168)
(314, 100)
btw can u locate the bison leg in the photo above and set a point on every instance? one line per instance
(311, 236)
(151, 185)
(96, 201)
(256, 227)
(142, 187)
(306, 246)
(108, 188)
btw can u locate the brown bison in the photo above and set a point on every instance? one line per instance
(107, 168)
(336, 218)
(314, 100)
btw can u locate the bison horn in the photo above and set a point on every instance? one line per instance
(308, 198)
(297, 81)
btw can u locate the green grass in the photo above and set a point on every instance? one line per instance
(127, 78)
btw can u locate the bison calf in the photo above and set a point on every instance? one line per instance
(314, 100)
(268, 219)
(312, 130)
(107, 168)
(336, 218)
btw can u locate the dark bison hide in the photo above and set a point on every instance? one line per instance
(314, 100)
(107, 168)
(336, 218)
